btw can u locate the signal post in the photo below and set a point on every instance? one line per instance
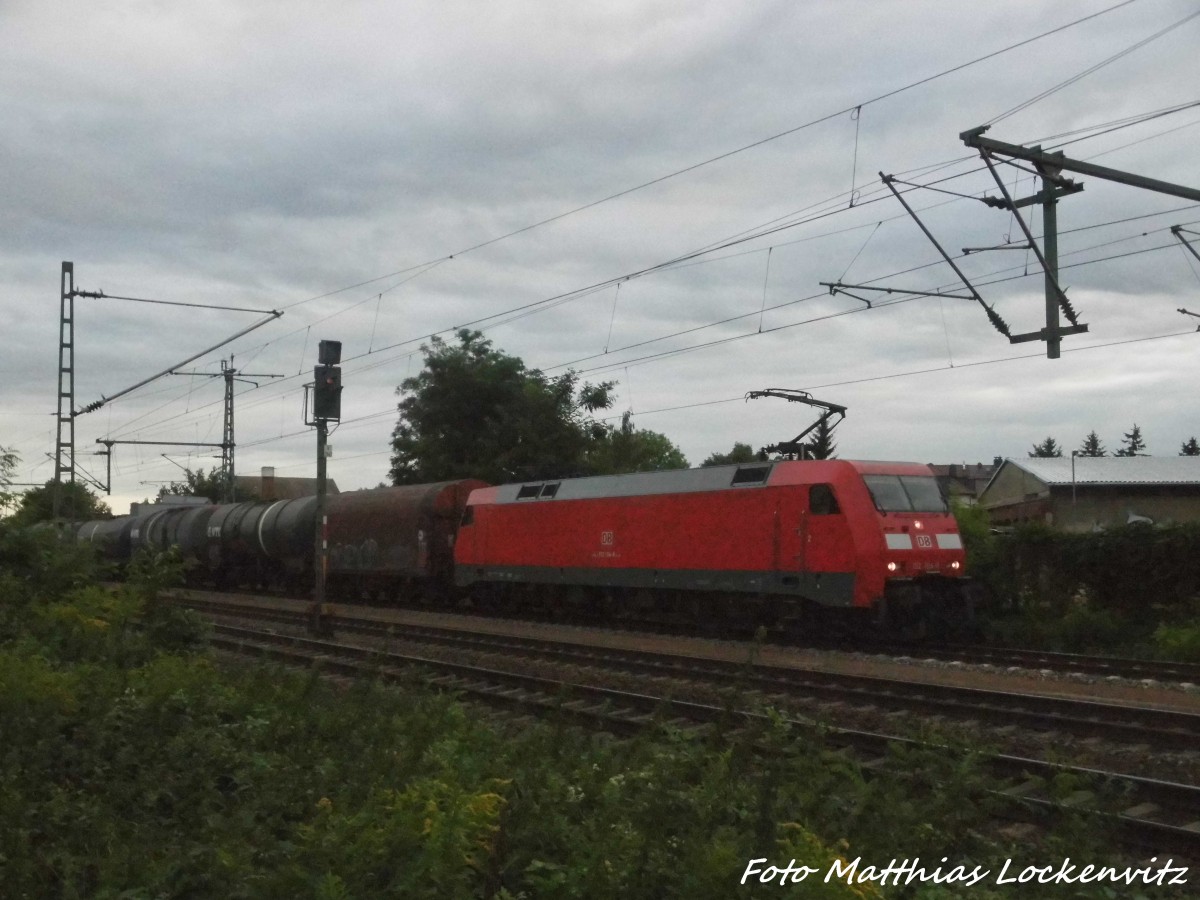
(327, 407)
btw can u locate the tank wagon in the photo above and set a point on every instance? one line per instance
(110, 537)
(805, 544)
(382, 542)
(815, 542)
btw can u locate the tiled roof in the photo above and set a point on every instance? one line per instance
(1116, 470)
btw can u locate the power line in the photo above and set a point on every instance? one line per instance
(938, 262)
(729, 153)
(1082, 228)
(644, 360)
(912, 372)
(844, 383)
(516, 313)
(619, 365)
(419, 270)
(1092, 69)
(519, 312)
(510, 316)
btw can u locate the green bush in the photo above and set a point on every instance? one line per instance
(1107, 590)
(133, 766)
(1080, 629)
(35, 563)
(1180, 642)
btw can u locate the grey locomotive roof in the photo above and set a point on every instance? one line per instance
(738, 476)
(671, 481)
(1114, 470)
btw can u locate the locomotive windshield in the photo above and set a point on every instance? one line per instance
(906, 493)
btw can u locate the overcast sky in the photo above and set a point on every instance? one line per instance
(375, 171)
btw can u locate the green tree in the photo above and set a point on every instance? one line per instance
(78, 503)
(202, 484)
(1091, 446)
(8, 469)
(630, 449)
(474, 411)
(1046, 449)
(1134, 444)
(822, 446)
(1190, 447)
(741, 453)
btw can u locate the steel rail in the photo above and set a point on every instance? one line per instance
(1109, 666)
(1159, 728)
(1154, 814)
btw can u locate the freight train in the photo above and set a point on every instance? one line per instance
(829, 544)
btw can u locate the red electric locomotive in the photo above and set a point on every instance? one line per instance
(768, 543)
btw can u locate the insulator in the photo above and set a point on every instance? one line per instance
(999, 324)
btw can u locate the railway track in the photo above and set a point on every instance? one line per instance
(1153, 815)
(1162, 729)
(1162, 671)
(1101, 666)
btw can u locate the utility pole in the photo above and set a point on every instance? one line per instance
(1050, 251)
(227, 475)
(64, 445)
(230, 374)
(1050, 166)
(327, 407)
(64, 451)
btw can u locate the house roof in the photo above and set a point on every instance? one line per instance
(285, 488)
(1111, 470)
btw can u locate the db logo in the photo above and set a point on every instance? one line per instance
(606, 539)
(925, 542)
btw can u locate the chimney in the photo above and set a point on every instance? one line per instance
(267, 490)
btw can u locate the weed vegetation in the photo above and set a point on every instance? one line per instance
(136, 765)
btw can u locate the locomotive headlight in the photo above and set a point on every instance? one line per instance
(918, 525)
(956, 565)
(891, 567)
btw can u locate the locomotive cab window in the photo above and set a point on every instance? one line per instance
(529, 491)
(906, 493)
(468, 516)
(822, 501)
(551, 489)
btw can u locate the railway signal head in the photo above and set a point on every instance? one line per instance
(327, 393)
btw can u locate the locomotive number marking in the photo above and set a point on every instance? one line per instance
(925, 542)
